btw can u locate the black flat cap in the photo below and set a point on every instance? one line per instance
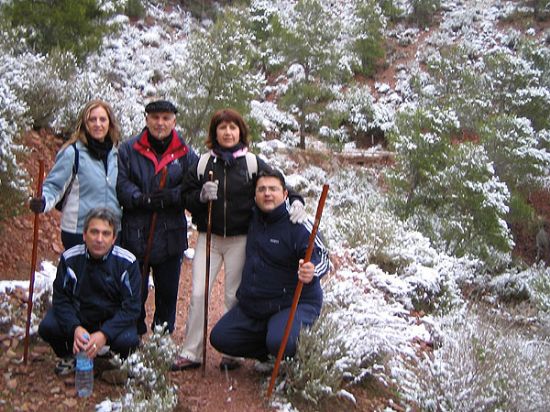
(160, 106)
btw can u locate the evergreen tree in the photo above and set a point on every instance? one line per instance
(450, 192)
(219, 72)
(308, 42)
(76, 26)
(368, 35)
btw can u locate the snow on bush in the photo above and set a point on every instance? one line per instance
(148, 387)
(482, 363)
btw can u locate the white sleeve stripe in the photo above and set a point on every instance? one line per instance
(123, 253)
(75, 251)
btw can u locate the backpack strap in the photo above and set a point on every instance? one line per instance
(201, 165)
(61, 204)
(76, 159)
(251, 164)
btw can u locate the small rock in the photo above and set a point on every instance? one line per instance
(55, 390)
(12, 384)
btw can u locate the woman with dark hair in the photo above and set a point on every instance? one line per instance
(232, 195)
(85, 172)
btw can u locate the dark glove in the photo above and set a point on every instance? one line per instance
(163, 198)
(144, 202)
(37, 204)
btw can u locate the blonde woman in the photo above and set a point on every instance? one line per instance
(85, 171)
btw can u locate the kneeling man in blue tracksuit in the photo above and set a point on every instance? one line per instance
(96, 296)
(275, 249)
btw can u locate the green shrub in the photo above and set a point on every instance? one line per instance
(135, 9)
(75, 26)
(424, 10)
(148, 368)
(447, 191)
(539, 287)
(369, 38)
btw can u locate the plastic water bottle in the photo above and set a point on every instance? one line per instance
(84, 374)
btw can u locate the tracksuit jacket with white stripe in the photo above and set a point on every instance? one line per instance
(97, 292)
(270, 275)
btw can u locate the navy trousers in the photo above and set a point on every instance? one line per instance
(62, 345)
(238, 334)
(166, 277)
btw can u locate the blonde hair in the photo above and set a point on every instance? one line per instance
(80, 131)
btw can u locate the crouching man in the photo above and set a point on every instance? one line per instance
(275, 249)
(96, 296)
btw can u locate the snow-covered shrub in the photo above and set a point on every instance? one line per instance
(272, 120)
(482, 363)
(358, 331)
(449, 192)
(218, 72)
(13, 184)
(50, 81)
(315, 373)
(148, 387)
(539, 287)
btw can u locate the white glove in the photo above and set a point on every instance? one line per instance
(209, 191)
(297, 212)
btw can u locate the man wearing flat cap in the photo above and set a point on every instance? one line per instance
(158, 154)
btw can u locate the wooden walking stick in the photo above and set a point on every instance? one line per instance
(298, 290)
(33, 260)
(150, 237)
(207, 278)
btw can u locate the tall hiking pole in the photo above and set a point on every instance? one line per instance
(150, 237)
(33, 260)
(298, 291)
(207, 277)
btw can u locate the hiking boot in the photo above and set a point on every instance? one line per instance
(115, 376)
(229, 363)
(65, 366)
(181, 363)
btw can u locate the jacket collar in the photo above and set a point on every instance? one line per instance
(275, 215)
(175, 150)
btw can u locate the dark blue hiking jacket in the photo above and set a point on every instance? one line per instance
(270, 275)
(98, 294)
(139, 173)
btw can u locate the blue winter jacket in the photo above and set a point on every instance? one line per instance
(140, 173)
(92, 187)
(97, 293)
(270, 275)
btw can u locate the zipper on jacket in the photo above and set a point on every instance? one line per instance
(225, 201)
